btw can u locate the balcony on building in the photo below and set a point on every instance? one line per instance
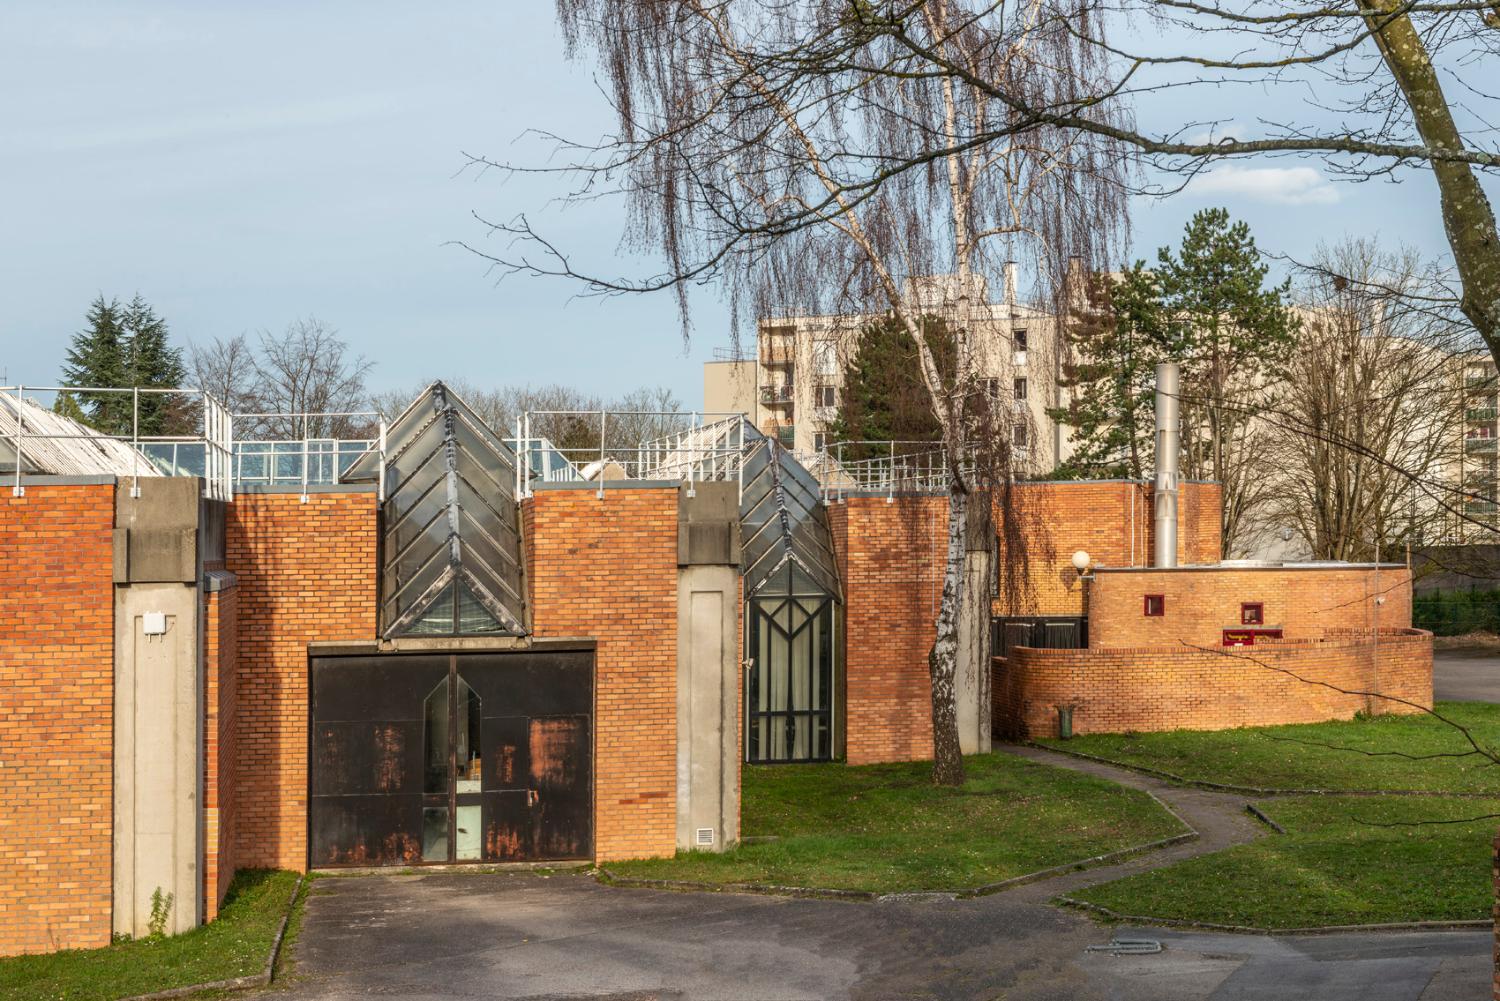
(1479, 443)
(777, 395)
(778, 348)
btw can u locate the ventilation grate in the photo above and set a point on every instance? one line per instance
(705, 837)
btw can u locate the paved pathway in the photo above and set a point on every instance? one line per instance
(1466, 675)
(470, 935)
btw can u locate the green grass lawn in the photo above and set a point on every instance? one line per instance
(1332, 867)
(1288, 757)
(235, 945)
(887, 828)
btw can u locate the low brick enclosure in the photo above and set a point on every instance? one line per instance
(1147, 689)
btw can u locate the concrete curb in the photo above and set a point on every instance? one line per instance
(608, 878)
(1138, 919)
(1260, 815)
(1254, 790)
(261, 979)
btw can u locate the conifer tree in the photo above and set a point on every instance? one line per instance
(97, 357)
(880, 401)
(1118, 335)
(152, 362)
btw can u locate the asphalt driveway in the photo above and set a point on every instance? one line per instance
(1466, 675)
(471, 935)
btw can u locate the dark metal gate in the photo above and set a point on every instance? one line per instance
(435, 758)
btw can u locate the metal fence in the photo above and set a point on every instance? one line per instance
(1042, 632)
(560, 446)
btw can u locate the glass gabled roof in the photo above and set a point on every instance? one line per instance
(783, 523)
(451, 559)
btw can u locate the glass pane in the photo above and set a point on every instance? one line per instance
(435, 740)
(467, 745)
(435, 834)
(472, 616)
(468, 838)
(438, 619)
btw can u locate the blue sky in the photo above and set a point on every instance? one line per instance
(241, 165)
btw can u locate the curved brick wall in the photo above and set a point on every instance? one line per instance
(1172, 688)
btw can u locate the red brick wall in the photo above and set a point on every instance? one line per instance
(220, 742)
(56, 717)
(891, 556)
(1168, 688)
(1111, 521)
(891, 560)
(307, 574)
(606, 568)
(1200, 604)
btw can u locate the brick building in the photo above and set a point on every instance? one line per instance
(442, 653)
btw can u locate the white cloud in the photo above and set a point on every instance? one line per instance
(1276, 185)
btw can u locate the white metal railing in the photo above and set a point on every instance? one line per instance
(287, 449)
(627, 445)
(52, 437)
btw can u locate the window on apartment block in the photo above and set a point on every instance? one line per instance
(1018, 389)
(1156, 605)
(820, 440)
(1020, 436)
(1020, 340)
(992, 388)
(825, 396)
(1252, 613)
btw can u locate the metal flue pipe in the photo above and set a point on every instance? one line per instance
(1168, 445)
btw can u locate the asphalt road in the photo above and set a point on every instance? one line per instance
(451, 935)
(1466, 675)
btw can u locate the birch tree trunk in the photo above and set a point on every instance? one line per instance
(942, 661)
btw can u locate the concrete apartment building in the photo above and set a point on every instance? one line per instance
(790, 382)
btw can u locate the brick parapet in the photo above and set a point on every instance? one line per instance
(220, 742)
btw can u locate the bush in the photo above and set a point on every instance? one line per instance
(1457, 613)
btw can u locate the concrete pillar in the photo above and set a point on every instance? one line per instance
(708, 668)
(972, 688)
(158, 695)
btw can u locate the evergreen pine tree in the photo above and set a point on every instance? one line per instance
(881, 401)
(1232, 334)
(1118, 336)
(97, 357)
(152, 362)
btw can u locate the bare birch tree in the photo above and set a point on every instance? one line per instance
(806, 157)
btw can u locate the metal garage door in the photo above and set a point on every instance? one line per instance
(421, 758)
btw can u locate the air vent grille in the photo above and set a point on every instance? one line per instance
(705, 837)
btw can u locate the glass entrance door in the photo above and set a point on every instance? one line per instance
(452, 815)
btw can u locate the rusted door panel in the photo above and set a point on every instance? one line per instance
(366, 830)
(533, 684)
(366, 755)
(562, 777)
(508, 833)
(365, 758)
(507, 752)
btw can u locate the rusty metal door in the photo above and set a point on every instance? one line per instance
(451, 758)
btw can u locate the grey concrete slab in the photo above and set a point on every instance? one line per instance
(512, 936)
(1466, 675)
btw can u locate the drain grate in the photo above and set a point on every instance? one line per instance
(1128, 947)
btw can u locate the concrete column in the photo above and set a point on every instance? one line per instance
(972, 688)
(708, 669)
(158, 696)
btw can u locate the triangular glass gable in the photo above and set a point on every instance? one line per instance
(451, 559)
(783, 524)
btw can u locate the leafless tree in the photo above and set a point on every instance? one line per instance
(225, 368)
(806, 155)
(309, 370)
(1371, 408)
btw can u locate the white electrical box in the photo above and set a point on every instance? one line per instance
(154, 623)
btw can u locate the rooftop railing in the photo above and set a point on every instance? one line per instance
(600, 445)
